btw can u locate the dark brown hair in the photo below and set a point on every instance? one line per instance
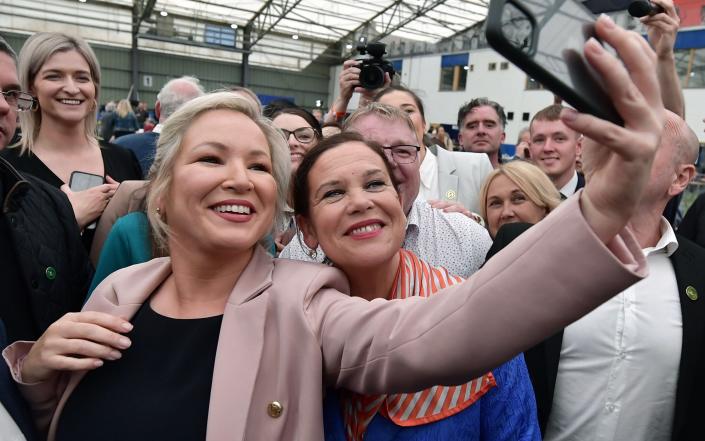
(299, 185)
(301, 113)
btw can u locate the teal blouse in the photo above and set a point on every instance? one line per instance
(127, 244)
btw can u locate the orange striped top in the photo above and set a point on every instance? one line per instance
(414, 278)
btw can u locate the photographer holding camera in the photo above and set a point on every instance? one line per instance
(365, 75)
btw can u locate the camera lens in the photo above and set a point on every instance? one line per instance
(371, 77)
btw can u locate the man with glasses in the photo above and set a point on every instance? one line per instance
(451, 240)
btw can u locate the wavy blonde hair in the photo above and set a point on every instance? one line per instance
(36, 51)
(169, 146)
(530, 179)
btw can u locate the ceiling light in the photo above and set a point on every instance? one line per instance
(234, 26)
(466, 67)
(163, 13)
(82, 1)
(295, 37)
(348, 46)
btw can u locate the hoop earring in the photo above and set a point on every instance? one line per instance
(313, 254)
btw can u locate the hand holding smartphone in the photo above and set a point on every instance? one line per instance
(622, 114)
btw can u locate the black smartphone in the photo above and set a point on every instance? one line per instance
(545, 39)
(80, 181)
(83, 181)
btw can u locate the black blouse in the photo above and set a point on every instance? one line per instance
(118, 163)
(159, 389)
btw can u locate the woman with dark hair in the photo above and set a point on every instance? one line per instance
(301, 129)
(370, 255)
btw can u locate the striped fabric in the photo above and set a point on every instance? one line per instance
(414, 278)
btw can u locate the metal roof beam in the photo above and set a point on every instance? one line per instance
(258, 22)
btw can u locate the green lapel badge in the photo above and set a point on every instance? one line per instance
(691, 292)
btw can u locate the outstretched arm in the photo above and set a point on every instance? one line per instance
(517, 299)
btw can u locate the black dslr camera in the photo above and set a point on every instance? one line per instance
(373, 66)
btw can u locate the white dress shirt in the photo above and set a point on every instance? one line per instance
(618, 369)
(428, 189)
(569, 188)
(450, 240)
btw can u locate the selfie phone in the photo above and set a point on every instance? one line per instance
(80, 181)
(545, 39)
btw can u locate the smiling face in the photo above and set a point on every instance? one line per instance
(481, 131)
(406, 102)
(554, 148)
(8, 113)
(297, 148)
(64, 88)
(507, 203)
(390, 133)
(355, 214)
(222, 194)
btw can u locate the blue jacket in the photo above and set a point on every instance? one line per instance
(506, 412)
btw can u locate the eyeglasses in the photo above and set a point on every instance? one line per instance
(302, 134)
(21, 100)
(402, 154)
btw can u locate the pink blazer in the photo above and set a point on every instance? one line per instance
(290, 329)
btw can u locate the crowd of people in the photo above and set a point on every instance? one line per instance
(264, 273)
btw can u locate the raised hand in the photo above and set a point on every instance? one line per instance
(621, 157)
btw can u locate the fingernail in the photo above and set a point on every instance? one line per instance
(98, 363)
(569, 115)
(127, 326)
(125, 342)
(593, 46)
(607, 20)
(114, 355)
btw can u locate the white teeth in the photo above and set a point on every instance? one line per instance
(240, 209)
(71, 102)
(366, 229)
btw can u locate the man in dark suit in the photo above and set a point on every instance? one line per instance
(631, 369)
(174, 93)
(554, 148)
(693, 224)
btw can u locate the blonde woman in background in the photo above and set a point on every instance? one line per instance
(58, 135)
(516, 192)
(126, 121)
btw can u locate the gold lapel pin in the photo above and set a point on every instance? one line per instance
(691, 292)
(451, 195)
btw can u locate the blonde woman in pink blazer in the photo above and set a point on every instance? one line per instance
(284, 330)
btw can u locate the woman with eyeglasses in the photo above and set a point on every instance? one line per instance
(58, 132)
(302, 131)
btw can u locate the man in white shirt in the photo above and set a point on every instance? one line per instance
(451, 240)
(554, 148)
(630, 370)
